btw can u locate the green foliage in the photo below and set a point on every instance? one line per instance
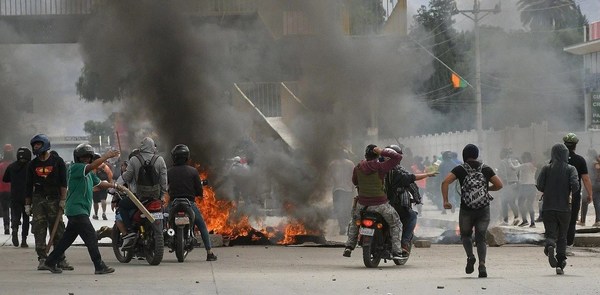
(96, 128)
(551, 14)
(92, 87)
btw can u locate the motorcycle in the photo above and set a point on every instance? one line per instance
(149, 241)
(179, 236)
(375, 240)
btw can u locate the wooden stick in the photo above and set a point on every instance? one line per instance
(54, 229)
(118, 141)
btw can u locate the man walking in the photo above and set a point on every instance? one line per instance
(473, 177)
(556, 181)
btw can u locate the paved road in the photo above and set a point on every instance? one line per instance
(304, 270)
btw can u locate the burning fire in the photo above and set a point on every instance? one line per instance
(218, 217)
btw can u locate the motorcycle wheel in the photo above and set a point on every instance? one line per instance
(117, 241)
(371, 257)
(180, 250)
(155, 245)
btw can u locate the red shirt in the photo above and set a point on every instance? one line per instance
(4, 186)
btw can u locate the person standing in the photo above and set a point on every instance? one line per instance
(527, 190)
(368, 176)
(78, 206)
(105, 174)
(579, 163)
(16, 174)
(473, 177)
(340, 172)
(595, 189)
(556, 181)
(46, 191)
(510, 194)
(5, 187)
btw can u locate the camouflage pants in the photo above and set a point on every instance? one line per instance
(44, 211)
(389, 214)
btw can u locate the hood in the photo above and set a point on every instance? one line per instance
(147, 145)
(368, 167)
(559, 153)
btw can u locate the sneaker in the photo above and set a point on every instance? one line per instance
(405, 251)
(569, 251)
(580, 223)
(551, 258)
(560, 271)
(516, 221)
(51, 268)
(7, 231)
(532, 225)
(347, 252)
(15, 238)
(41, 263)
(596, 224)
(482, 271)
(539, 219)
(524, 223)
(470, 268)
(64, 265)
(103, 269)
(211, 257)
(397, 255)
(24, 243)
(104, 216)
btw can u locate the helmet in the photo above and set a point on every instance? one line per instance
(24, 154)
(395, 148)
(96, 157)
(82, 150)
(43, 138)
(571, 138)
(180, 154)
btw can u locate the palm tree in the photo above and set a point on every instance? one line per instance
(550, 14)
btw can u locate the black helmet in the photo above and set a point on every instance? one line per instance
(43, 138)
(83, 150)
(96, 157)
(23, 154)
(180, 154)
(395, 148)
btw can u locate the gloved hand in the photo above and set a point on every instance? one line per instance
(61, 204)
(28, 209)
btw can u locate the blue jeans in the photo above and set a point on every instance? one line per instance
(408, 217)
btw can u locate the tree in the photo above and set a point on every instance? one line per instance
(96, 128)
(91, 87)
(550, 14)
(366, 16)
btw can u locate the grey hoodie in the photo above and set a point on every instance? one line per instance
(557, 180)
(147, 150)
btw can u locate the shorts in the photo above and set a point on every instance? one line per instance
(100, 196)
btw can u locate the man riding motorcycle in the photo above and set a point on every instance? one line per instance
(368, 176)
(184, 182)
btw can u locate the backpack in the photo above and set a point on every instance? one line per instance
(148, 179)
(474, 188)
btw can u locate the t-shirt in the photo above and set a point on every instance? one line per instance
(461, 173)
(79, 193)
(184, 181)
(46, 176)
(579, 163)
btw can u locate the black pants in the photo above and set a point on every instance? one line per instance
(575, 206)
(5, 203)
(79, 225)
(556, 224)
(17, 212)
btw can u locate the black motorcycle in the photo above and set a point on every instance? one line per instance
(149, 241)
(375, 240)
(179, 236)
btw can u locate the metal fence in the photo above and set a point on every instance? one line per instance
(265, 96)
(45, 7)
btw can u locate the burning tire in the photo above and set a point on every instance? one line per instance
(117, 242)
(154, 245)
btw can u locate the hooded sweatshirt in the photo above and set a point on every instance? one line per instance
(557, 180)
(147, 150)
(369, 175)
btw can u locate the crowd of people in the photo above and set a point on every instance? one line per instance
(38, 187)
(383, 185)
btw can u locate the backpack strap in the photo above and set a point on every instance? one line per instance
(144, 162)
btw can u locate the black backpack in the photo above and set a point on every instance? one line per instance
(148, 179)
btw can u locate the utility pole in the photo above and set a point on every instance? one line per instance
(475, 16)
